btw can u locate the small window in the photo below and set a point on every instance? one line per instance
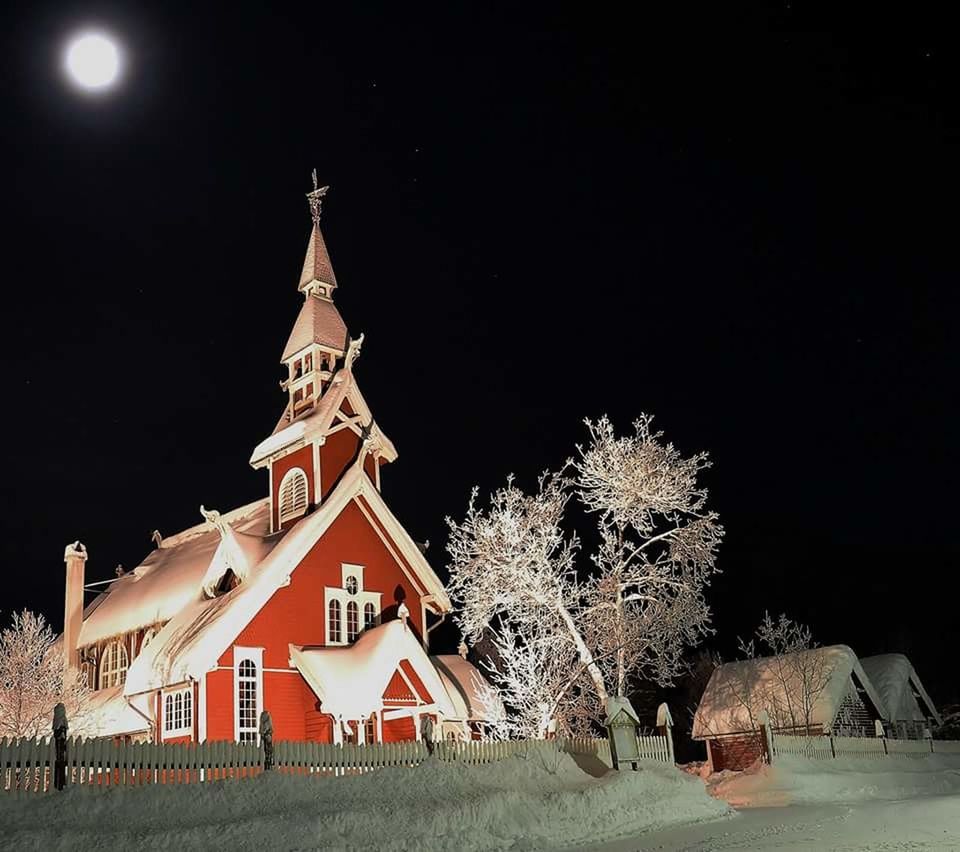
(178, 713)
(297, 370)
(353, 621)
(369, 616)
(113, 666)
(293, 494)
(370, 729)
(351, 585)
(307, 363)
(333, 622)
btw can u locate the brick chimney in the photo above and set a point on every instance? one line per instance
(76, 557)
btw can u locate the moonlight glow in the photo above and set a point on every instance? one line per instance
(93, 61)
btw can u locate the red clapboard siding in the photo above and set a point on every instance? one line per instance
(398, 730)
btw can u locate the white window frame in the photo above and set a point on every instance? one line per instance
(297, 511)
(117, 674)
(185, 727)
(255, 656)
(343, 597)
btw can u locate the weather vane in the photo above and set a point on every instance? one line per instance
(315, 199)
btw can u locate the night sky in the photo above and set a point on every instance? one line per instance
(748, 230)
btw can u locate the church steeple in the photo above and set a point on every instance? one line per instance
(317, 278)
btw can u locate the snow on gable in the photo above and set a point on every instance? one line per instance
(896, 681)
(194, 639)
(738, 692)
(350, 682)
(170, 578)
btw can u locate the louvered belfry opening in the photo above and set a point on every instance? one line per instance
(294, 495)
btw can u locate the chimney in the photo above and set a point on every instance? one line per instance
(75, 556)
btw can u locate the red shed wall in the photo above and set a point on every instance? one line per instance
(295, 615)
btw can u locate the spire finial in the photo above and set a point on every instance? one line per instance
(315, 199)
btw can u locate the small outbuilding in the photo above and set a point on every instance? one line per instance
(811, 692)
(910, 711)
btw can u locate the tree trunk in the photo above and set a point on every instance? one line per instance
(585, 656)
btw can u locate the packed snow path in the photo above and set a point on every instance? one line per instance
(917, 824)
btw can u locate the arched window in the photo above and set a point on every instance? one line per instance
(247, 701)
(168, 713)
(353, 621)
(369, 616)
(333, 622)
(113, 666)
(293, 496)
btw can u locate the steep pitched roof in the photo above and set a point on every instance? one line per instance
(463, 681)
(193, 640)
(350, 682)
(316, 264)
(738, 692)
(895, 679)
(171, 576)
(320, 322)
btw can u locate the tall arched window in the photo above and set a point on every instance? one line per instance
(293, 494)
(353, 621)
(369, 616)
(247, 701)
(333, 623)
(113, 666)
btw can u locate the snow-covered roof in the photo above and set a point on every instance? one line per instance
(617, 704)
(462, 681)
(171, 577)
(738, 692)
(195, 637)
(350, 681)
(320, 322)
(896, 681)
(318, 421)
(108, 714)
(316, 263)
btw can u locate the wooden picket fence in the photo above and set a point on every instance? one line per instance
(828, 748)
(26, 765)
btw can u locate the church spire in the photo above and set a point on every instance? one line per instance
(317, 278)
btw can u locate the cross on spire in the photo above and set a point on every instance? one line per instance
(315, 199)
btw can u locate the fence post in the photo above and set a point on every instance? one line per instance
(665, 728)
(766, 736)
(266, 737)
(60, 736)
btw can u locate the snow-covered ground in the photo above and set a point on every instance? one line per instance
(848, 805)
(539, 802)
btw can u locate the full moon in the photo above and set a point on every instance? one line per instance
(93, 61)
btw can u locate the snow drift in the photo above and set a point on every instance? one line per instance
(799, 780)
(537, 802)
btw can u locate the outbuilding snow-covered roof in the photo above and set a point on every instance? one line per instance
(738, 692)
(462, 681)
(897, 682)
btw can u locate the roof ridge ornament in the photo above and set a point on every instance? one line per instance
(315, 199)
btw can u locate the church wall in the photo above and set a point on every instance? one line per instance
(295, 615)
(339, 451)
(302, 458)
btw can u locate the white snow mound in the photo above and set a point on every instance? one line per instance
(535, 802)
(799, 780)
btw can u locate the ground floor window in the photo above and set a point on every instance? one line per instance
(248, 673)
(178, 713)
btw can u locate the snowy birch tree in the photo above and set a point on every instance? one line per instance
(799, 674)
(567, 638)
(34, 678)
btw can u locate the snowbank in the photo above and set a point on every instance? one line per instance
(799, 780)
(521, 803)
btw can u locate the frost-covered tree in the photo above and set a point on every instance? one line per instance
(32, 678)
(570, 634)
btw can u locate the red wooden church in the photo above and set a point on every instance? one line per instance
(313, 603)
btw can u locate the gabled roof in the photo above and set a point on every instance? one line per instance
(319, 322)
(896, 681)
(195, 637)
(319, 421)
(171, 576)
(316, 264)
(350, 681)
(462, 681)
(108, 714)
(738, 692)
